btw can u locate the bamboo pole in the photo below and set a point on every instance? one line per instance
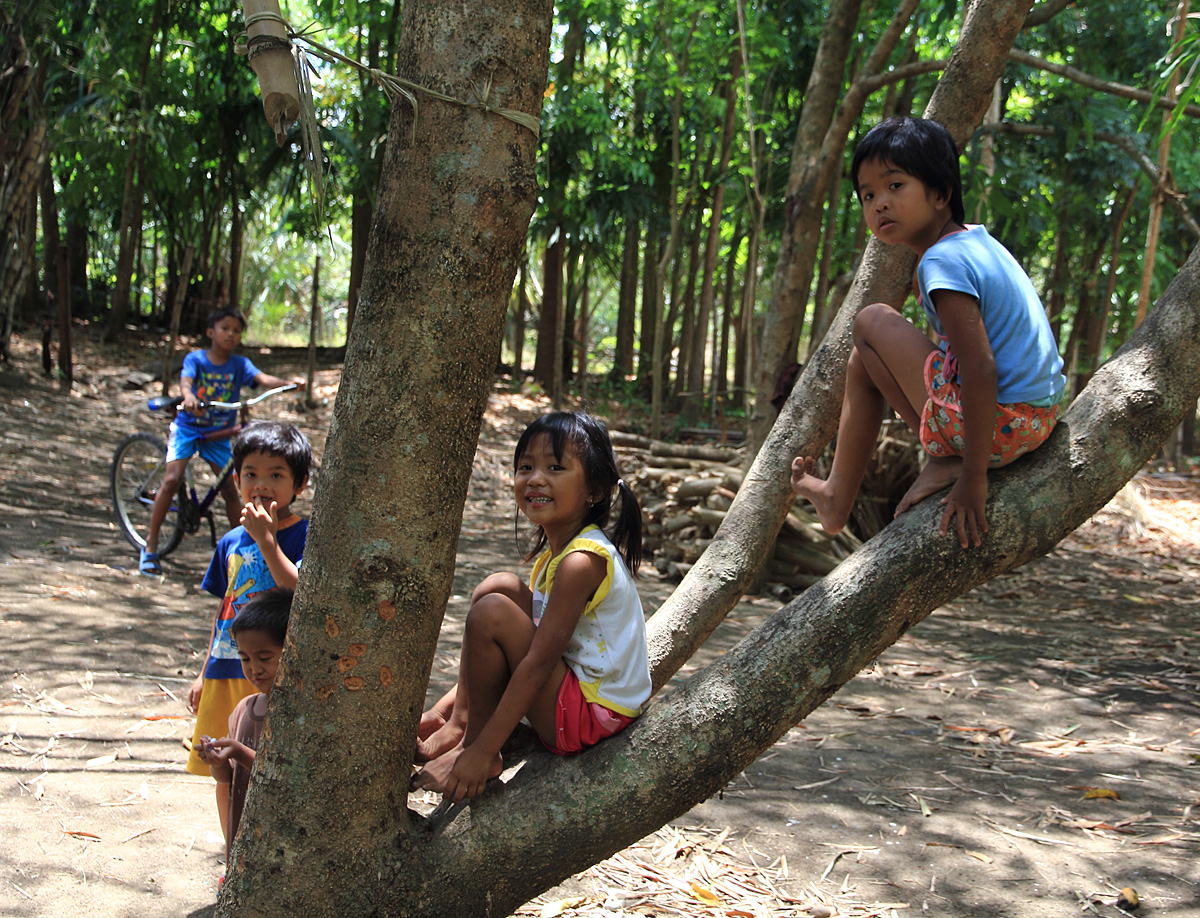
(1160, 188)
(270, 56)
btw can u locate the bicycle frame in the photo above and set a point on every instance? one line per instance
(201, 508)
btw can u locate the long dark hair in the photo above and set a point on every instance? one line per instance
(594, 447)
(920, 147)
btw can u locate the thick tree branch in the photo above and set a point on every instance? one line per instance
(907, 71)
(692, 742)
(1091, 82)
(1042, 14)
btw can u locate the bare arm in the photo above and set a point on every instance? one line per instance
(960, 317)
(267, 381)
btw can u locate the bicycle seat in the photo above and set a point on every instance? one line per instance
(164, 401)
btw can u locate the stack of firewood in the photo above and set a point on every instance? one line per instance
(686, 490)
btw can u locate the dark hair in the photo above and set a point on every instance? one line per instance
(267, 612)
(920, 147)
(226, 312)
(590, 438)
(275, 438)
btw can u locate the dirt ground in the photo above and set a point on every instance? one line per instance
(1029, 750)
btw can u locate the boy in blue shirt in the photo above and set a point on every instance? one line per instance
(216, 374)
(272, 462)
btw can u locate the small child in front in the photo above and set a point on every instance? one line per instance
(568, 651)
(215, 374)
(259, 630)
(271, 465)
(988, 391)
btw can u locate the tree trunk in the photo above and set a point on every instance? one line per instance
(520, 310)
(326, 820)
(696, 366)
(1160, 187)
(21, 151)
(132, 200)
(547, 362)
(817, 155)
(627, 300)
(314, 323)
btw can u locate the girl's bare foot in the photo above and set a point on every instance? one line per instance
(440, 741)
(939, 472)
(819, 493)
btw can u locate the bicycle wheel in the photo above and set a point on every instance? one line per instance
(137, 470)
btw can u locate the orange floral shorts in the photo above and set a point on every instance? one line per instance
(1020, 427)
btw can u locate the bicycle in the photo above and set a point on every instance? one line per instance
(138, 465)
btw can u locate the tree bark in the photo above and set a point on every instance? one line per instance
(627, 300)
(325, 827)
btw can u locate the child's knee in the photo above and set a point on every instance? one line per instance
(505, 583)
(494, 611)
(870, 319)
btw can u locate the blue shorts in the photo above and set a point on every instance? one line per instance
(184, 442)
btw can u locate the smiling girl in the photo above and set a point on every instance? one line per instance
(568, 651)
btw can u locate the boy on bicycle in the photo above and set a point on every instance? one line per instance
(215, 374)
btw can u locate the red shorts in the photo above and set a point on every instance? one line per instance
(1019, 428)
(579, 723)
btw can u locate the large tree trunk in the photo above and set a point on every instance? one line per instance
(320, 831)
(22, 137)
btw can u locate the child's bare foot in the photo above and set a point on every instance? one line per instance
(436, 773)
(440, 741)
(819, 493)
(939, 472)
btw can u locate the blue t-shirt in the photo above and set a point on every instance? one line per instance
(1028, 366)
(237, 573)
(213, 383)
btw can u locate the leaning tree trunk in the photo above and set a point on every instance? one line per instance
(320, 831)
(817, 155)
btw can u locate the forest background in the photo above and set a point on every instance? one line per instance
(675, 164)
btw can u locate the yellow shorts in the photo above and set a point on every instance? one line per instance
(217, 701)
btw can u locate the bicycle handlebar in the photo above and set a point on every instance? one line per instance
(165, 401)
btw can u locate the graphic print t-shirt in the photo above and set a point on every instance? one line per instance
(213, 383)
(237, 573)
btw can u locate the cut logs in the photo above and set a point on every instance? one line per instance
(685, 491)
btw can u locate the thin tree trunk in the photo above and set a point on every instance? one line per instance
(627, 300)
(65, 360)
(696, 367)
(181, 287)
(314, 323)
(521, 309)
(816, 161)
(1160, 187)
